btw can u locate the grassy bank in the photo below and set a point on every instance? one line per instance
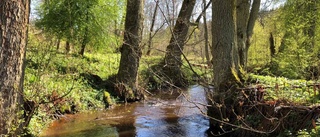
(56, 83)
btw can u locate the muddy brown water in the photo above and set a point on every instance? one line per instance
(166, 115)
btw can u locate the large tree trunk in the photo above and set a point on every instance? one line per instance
(172, 61)
(14, 17)
(127, 86)
(225, 64)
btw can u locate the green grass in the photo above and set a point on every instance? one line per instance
(294, 90)
(51, 75)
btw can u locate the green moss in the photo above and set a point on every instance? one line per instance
(107, 99)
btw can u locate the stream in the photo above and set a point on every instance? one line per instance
(165, 115)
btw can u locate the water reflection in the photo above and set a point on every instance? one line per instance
(166, 117)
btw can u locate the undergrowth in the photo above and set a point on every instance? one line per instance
(295, 93)
(56, 83)
(298, 91)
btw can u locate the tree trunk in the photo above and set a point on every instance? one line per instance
(127, 87)
(245, 22)
(243, 11)
(85, 35)
(225, 64)
(14, 18)
(172, 61)
(58, 44)
(68, 47)
(272, 45)
(252, 19)
(151, 28)
(206, 35)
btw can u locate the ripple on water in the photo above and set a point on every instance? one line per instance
(160, 118)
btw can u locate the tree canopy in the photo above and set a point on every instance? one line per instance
(80, 21)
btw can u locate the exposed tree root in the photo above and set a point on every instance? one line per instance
(252, 116)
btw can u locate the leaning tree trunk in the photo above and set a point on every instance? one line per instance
(252, 19)
(127, 83)
(172, 61)
(14, 17)
(225, 64)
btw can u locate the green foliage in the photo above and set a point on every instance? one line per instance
(280, 88)
(80, 21)
(296, 34)
(299, 46)
(54, 81)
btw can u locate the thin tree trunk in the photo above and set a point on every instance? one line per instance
(58, 44)
(85, 35)
(68, 47)
(172, 61)
(84, 42)
(14, 18)
(127, 87)
(243, 11)
(272, 45)
(173, 12)
(151, 28)
(251, 22)
(206, 35)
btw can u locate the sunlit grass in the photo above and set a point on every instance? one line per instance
(298, 91)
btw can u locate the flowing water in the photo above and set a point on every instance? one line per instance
(166, 115)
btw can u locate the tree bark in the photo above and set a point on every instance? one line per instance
(172, 61)
(272, 45)
(58, 44)
(85, 35)
(14, 18)
(252, 19)
(68, 47)
(224, 51)
(243, 11)
(206, 35)
(127, 87)
(245, 22)
(151, 28)
(225, 64)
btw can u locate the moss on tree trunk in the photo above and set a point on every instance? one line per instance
(127, 82)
